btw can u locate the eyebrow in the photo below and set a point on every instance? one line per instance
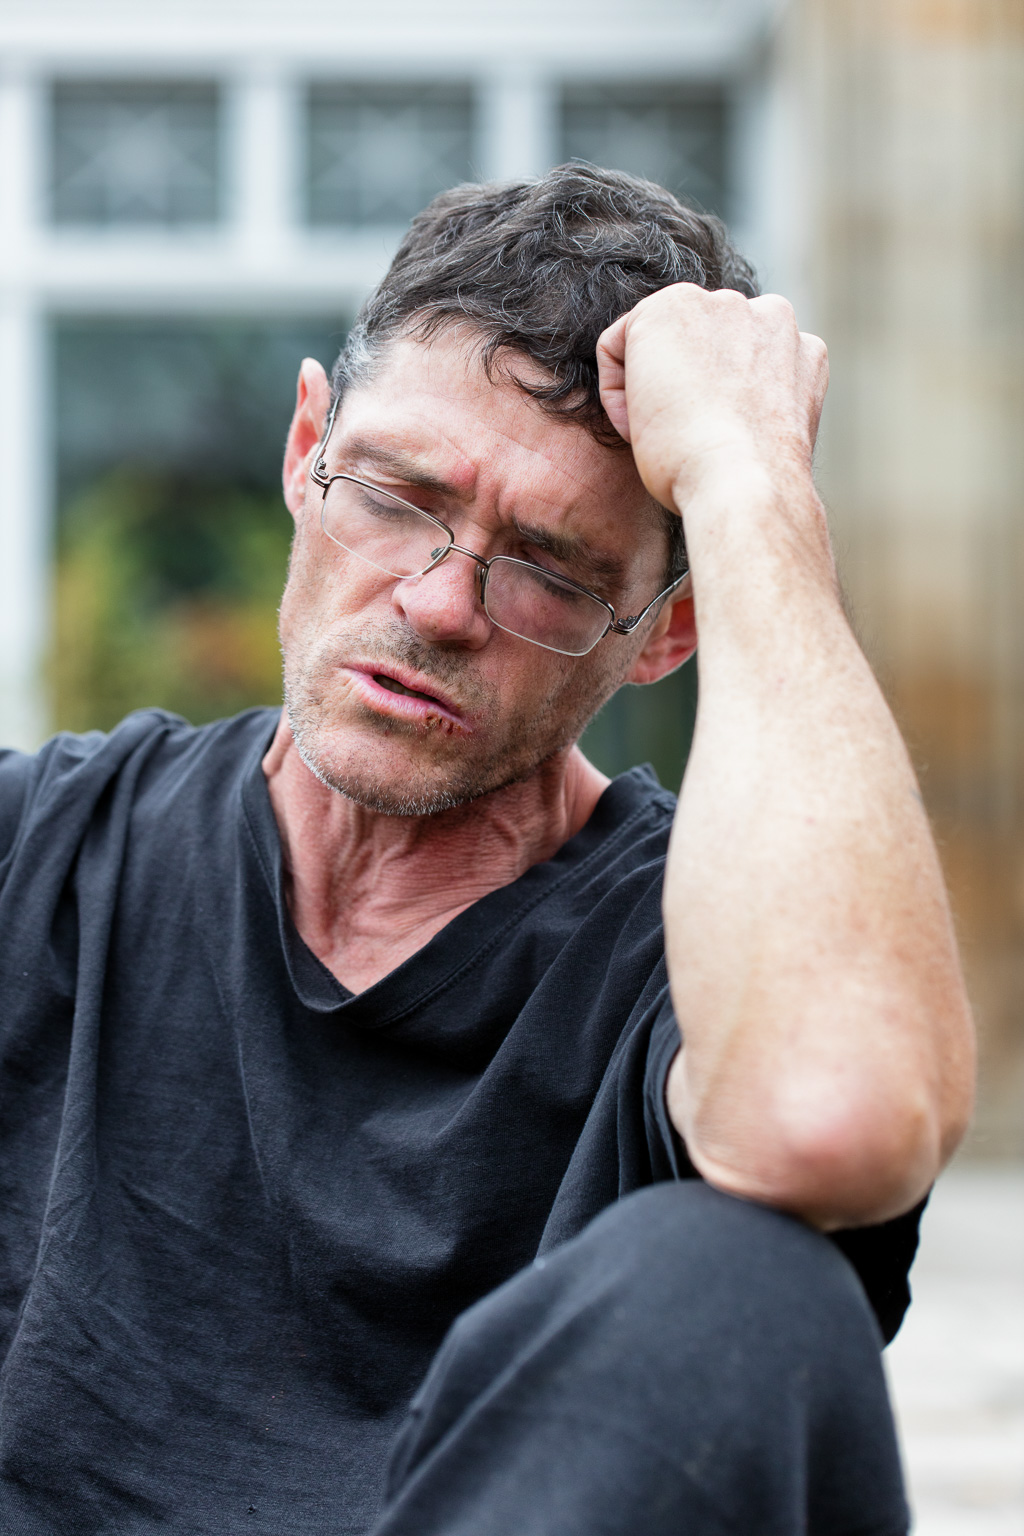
(404, 465)
(568, 548)
(571, 550)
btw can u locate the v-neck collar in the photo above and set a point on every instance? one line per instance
(465, 941)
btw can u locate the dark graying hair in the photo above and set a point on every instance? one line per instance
(539, 269)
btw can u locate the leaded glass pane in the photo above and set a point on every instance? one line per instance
(378, 153)
(134, 152)
(172, 537)
(672, 134)
(176, 395)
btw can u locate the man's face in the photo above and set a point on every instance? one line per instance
(401, 693)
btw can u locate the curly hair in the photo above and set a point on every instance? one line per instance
(538, 269)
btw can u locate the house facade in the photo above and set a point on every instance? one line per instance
(192, 196)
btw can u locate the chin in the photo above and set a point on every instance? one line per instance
(397, 773)
(398, 768)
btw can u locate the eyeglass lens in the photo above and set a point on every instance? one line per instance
(401, 540)
(385, 531)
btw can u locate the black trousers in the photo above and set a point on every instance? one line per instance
(690, 1365)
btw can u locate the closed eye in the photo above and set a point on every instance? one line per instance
(554, 585)
(379, 504)
(569, 556)
(543, 561)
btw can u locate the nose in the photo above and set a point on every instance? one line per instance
(444, 606)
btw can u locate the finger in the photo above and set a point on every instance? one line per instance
(776, 309)
(814, 358)
(611, 375)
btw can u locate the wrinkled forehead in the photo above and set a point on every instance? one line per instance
(430, 415)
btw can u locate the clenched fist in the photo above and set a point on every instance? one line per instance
(705, 386)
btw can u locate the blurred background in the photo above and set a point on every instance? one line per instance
(195, 195)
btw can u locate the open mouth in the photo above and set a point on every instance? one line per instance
(396, 701)
(394, 686)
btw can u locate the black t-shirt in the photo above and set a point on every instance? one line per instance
(239, 1207)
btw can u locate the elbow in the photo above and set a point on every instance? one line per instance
(835, 1159)
(858, 1166)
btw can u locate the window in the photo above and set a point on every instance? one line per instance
(378, 153)
(134, 152)
(172, 537)
(672, 134)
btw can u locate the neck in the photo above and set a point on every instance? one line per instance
(366, 891)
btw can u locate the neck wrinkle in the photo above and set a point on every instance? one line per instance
(366, 891)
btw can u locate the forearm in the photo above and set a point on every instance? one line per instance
(827, 1066)
(813, 967)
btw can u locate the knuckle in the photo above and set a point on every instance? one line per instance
(727, 299)
(777, 309)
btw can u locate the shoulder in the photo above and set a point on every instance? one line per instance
(66, 779)
(597, 902)
(632, 819)
(623, 847)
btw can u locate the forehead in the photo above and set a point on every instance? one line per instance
(431, 406)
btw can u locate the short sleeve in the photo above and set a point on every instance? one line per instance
(882, 1256)
(668, 1147)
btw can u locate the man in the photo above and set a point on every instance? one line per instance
(321, 1029)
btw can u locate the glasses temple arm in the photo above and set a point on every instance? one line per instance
(319, 470)
(627, 626)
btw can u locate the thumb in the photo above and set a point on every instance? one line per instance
(611, 374)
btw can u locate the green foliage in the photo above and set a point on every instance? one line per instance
(167, 589)
(652, 725)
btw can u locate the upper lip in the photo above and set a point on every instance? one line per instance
(409, 679)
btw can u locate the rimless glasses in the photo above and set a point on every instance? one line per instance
(518, 596)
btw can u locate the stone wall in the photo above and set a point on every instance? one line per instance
(913, 114)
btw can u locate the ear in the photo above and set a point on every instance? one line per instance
(671, 642)
(312, 400)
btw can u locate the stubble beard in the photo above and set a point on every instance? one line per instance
(520, 743)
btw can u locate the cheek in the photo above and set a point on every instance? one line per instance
(548, 686)
(326, 583)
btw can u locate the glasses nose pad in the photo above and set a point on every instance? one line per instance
(481, 565)
(439, 555)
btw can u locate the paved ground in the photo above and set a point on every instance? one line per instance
(957, 1365)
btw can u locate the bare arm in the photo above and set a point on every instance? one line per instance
(828, 1066)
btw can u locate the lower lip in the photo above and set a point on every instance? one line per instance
(403, 706)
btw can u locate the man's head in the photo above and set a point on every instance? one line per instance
(469, 386)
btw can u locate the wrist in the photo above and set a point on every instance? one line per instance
(727, 484)
(750, 529)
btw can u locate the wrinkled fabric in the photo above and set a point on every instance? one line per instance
(239, 1207)
(647, 1378)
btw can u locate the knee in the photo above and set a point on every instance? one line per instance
(740, 1297)
(729, 1260)
(729, 1340)
(681, 1272)
(720, 1313)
